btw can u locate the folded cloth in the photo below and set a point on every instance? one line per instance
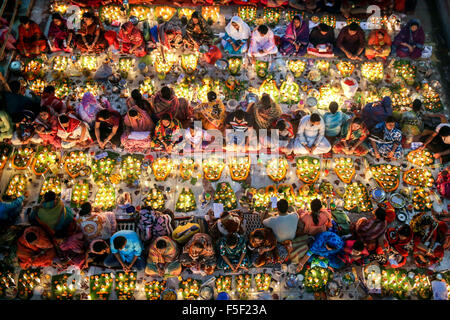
(142, 135)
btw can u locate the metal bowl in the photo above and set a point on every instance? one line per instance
(397, 200)
(16, 66)
(222, 64)
(206, 293)
(401, 217)
(378, 194)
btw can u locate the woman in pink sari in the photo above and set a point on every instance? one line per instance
(58, 34)
(138, 126)
(131, 40)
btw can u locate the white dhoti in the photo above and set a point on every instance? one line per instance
(323, 146)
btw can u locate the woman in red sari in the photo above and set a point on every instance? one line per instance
(397, 241)
(35, 249)
(32, 41)
(91, 36)
(131, 40)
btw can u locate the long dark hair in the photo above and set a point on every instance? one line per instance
(316, 205)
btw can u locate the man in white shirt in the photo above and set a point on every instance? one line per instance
(284, 226)
(311, 136)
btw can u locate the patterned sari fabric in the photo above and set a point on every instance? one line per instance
(389, 138)
(31, 39)
(163, 258)
(415, 39)
(205, 260)
(89, 32)
(299, 36)
(200, 32)
(352, 138)
(141, 123)
(212, 114)
(39, 253)
(274, 253)
(165, 134)
(233, 254)
(131, 36)
(321, 255)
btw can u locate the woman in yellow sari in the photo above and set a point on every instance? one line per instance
(211, 113)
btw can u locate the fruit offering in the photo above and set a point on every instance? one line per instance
(224, 283)
(33, 68)
(306, 194)
(419, 178)
(125, 285)
(103, 168)
(262, 69)
(247, 13)
(7, 283)
(260, 200)
(344, 169)
(105, 198)
(5, 151)
(297, 67)
(28, 280)
(100, 286)
(420, 158)
(75, 163)
(189, 288)
(51, 184)
(243, 284)
(345, 68)
(211, 13)
(186, 201)
(421, 200)
(125, 64)
(406, 70)
(62, 88)
(326, 189)
(317, 278)
(43, 160)
(401, 98)
(146, 87)
(60, 63)
(153, 289)
(269, 86)
(308, 169)
(155, 199)
(421, 286)
(357, 197)
(234, 65)
(431, 98)
(372, 71)
(272, 15)
(289, 92)
(189, 62)
(187, 167)
(130, 168)
(394, 282)
(88, 63)
(17, 187)
(387, 176)
(162, 167)
(329, 20)
(284, 191)
(212, 168)
(225, 195)
(143, 13)
(323, 66)
(22, 158)
(277, 168)
(239, 168)
(165, 12)
(185, 12)
(111, 13)
(62, 288)
(80, 192)
(262, 281)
